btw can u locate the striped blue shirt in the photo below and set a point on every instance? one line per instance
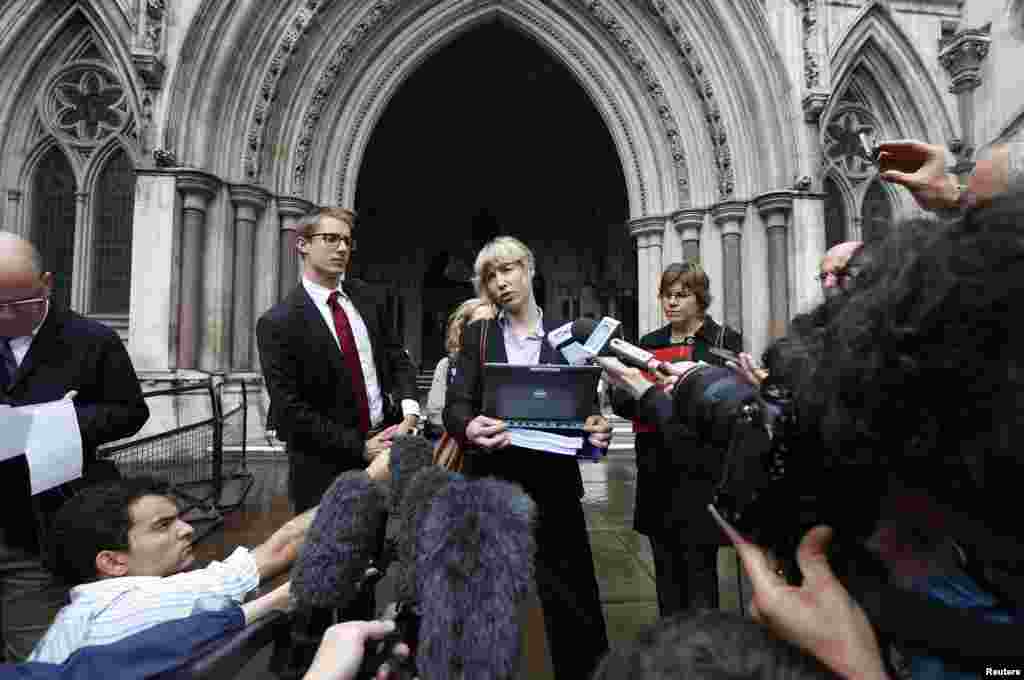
(112, 609)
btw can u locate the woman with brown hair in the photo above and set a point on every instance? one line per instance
(674, 486)
(469, 311)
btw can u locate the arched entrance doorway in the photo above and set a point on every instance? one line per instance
(493, 135)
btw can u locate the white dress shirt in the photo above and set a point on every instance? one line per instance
(21, 344)
(109, 610)
(374, 397)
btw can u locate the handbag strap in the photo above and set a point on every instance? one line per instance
(483, 343)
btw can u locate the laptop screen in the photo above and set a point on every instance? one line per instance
(543, 392)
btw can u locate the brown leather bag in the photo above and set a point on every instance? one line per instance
(449, 453)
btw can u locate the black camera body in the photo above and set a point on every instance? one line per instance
(776, 479)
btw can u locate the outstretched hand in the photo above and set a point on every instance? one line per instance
(341, 651)
(819, 616)
(921, 168)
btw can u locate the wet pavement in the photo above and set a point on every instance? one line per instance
(622, 557)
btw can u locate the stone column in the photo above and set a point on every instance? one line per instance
(774, 209)
(807, 246)
(153, 314)
(729, 216)
(688, 224)
(12, 216)
(649, 233)
(290, 209)
(196, 189)
(80, 274)
(961, 54)
(249, 202)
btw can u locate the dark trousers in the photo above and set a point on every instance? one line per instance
(568, 590)
(29, 601)
(686, 575)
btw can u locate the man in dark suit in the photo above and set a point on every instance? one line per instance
(331, 361)
(566, 582)
(49, 353)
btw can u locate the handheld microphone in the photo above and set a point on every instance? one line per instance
(341, 543)
(600, 341)
(474, 564)
(561, 339)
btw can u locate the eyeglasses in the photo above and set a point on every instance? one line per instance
(332, 239)
(18, 305)
(841, 275)
(677, 297)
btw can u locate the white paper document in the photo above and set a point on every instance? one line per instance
(49, 437)
(539, 440)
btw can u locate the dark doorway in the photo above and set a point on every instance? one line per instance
(492, 135)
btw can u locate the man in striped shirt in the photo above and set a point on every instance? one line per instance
(126, 546)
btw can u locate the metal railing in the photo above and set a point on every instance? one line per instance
(191, 457)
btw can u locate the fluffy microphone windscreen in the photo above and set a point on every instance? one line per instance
(418, 496)
(409, 455)
(475, 566)
(341, 542)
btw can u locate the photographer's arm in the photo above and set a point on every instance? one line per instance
(921, 168)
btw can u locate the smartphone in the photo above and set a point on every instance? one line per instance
(868, 150)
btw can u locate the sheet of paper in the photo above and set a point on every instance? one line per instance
(53, 446)
(14, 427)
(539, 440)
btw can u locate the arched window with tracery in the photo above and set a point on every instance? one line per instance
(835, 213)
(876, 213)
(114, 199)
(53, 220)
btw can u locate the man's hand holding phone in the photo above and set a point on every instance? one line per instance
(488, 433)
(921, 168)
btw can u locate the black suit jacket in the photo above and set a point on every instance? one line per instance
(312, 404)
(544, 476)
(68, 353)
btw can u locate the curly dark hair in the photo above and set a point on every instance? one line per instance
(709, 645)
(95, 519)
(923, 364)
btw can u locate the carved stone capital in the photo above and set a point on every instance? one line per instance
(688, 223)
(197, 188)
(774, 206)
(646, 226)
(730, 216)
(249, 201)
(962, 53)
(293, 206)
(813, 104)
(163, 158)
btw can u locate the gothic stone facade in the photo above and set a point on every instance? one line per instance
(159, 150)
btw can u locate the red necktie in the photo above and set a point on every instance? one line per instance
(351, 356)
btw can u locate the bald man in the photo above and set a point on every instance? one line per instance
(832, 272)
(47, 352)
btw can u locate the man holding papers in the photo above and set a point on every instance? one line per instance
(566, 582)
(48, 354)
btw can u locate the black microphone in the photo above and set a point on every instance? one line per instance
(340, 545)
(598, 340)
(419, 494)
(474, 566)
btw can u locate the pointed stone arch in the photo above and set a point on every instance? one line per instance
(328, 172)
(876, 54)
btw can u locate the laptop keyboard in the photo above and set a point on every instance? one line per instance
(537, 424)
